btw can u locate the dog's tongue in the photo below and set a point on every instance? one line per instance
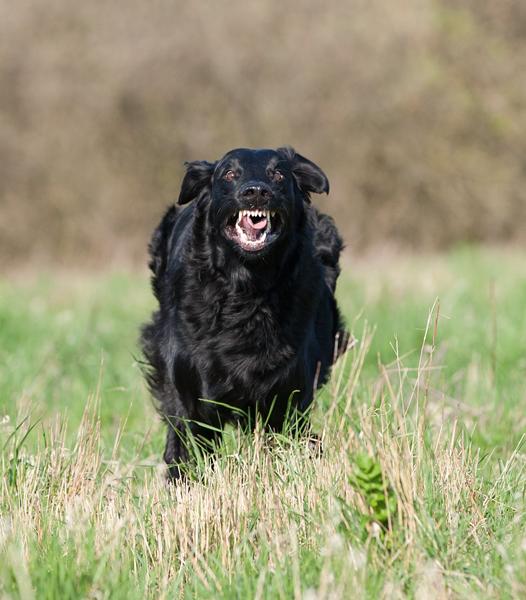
(248, 225)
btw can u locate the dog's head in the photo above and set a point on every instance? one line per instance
(255, 198)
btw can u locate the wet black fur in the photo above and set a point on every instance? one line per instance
(253, 332)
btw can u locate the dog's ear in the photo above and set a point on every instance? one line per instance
(198, 176)
(308, 176)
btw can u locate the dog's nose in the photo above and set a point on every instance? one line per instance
(256, 191)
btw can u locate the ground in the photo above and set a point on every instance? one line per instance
(420, 491)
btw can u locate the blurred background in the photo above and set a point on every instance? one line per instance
(416, 110)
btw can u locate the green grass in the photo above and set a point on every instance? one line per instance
(433, 393)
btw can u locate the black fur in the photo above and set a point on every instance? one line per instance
(254, 331)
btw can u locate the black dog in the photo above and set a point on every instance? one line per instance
(245, 277)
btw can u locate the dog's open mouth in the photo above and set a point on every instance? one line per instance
(253, 230)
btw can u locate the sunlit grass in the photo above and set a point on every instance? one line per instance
(432, 391)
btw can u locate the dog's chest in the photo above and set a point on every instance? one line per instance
(252, 324)
(249, 351)
(232, 324)
(256, 328)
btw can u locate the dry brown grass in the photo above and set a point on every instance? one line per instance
(268, 505)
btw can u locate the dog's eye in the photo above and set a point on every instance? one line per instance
(278, 176)
(229, 176)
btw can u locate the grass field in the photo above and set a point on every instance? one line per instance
(420, 491)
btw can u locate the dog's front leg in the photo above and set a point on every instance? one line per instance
(184, 439)
(176, 452)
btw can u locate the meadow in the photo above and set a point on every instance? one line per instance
(420, 491)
